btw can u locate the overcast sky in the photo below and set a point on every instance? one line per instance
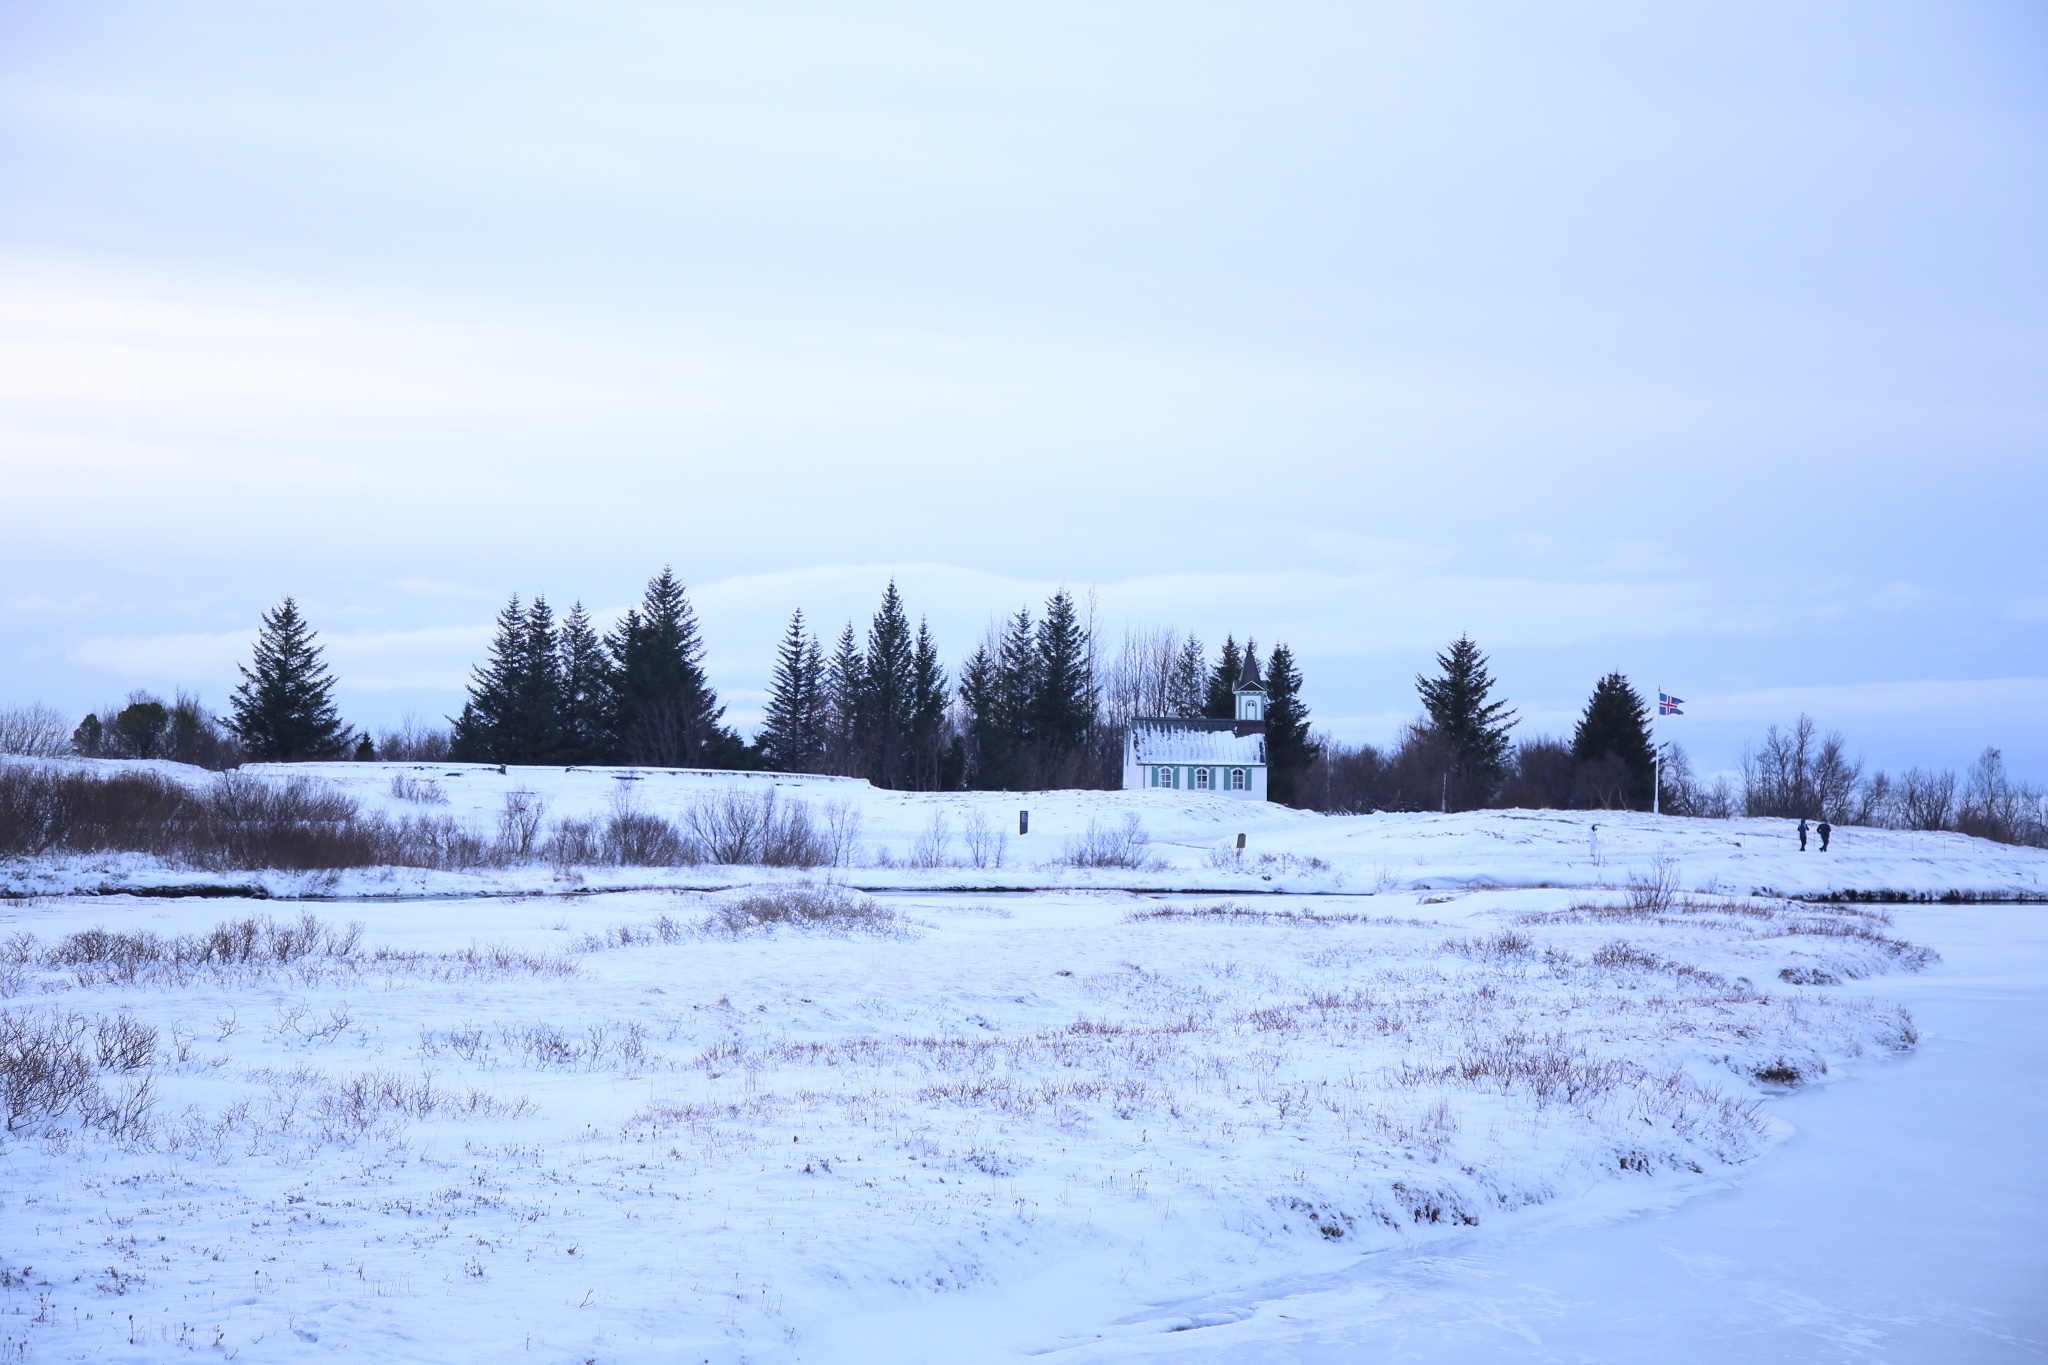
(1704, 343)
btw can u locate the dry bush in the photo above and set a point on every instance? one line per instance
(840, 832)
(415, 742)
(805, 905)
(46, 808)
(1229, 912)
(934, 844)
(519, 822)
(633, 838)
(352, 1107)
(34, 731)
(45, 1070)
(306, 947)
(120, 1043)
(987, 846)
(254, 941)
(421, 791)
(754, 829)
(238, 821)
(1120, 845)
(574, 843)
(545, 1046)
(1506, 946)
(1654, 892)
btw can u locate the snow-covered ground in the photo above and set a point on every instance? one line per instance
(1191, 842)
(1446, 1108)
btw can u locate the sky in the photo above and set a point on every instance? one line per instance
(1706, 344)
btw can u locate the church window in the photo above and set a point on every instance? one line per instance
(1237, 779)
(1201, 779)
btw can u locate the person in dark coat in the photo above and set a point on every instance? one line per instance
(1824, 829)
(1802, 834)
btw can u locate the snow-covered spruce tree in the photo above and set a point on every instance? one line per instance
(1289, 750)
(1472, 729)
(1616, 726)
(792, 737)
(666, 713)
(585, 719)
(1220, 701)
(284, 707)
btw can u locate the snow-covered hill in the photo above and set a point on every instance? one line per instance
(1191, 842)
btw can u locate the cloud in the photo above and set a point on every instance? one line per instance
(1926, 699)
(2028, 609)
(436, 658)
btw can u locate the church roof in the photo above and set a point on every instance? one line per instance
(1166, 739)
(1248, 676)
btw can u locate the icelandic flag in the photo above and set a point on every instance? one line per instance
(1667, 705)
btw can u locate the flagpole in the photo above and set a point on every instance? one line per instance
(1657, 762)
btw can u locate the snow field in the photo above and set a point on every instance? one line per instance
(908, 841)
(675, 1125)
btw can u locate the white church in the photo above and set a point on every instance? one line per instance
(1224, 756)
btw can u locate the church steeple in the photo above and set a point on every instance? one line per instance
(1251, 693)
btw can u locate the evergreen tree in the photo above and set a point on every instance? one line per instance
(665, 711)
(981, 697)
(537, 720)
(1474, 729)
(515, 700)
(792, 735)
(1221, 703)
(284, 706)
(584, 727)
(844, 681)
(1063, 702)
(887, 695)
(1017, 685)
(999, 690)
(1288, 748)
(140, 726)
(1187, 688)
(927, 711)
(1617, 722)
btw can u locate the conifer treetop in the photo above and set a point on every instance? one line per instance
(284, 706)
(1459, 711)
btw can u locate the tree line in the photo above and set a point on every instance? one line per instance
(1037, 704)
(1459, 755)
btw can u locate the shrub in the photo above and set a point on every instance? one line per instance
(1121, 845)
(806, 905)
(633, 838)
(735, 827)
(33, 731)
(44, 1068)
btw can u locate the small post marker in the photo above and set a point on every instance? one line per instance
(1240, 843)
(1023, 822)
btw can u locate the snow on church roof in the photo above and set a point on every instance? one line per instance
(1167, 740)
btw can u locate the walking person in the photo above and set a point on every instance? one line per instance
(1802, 834)
(1824, 829)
